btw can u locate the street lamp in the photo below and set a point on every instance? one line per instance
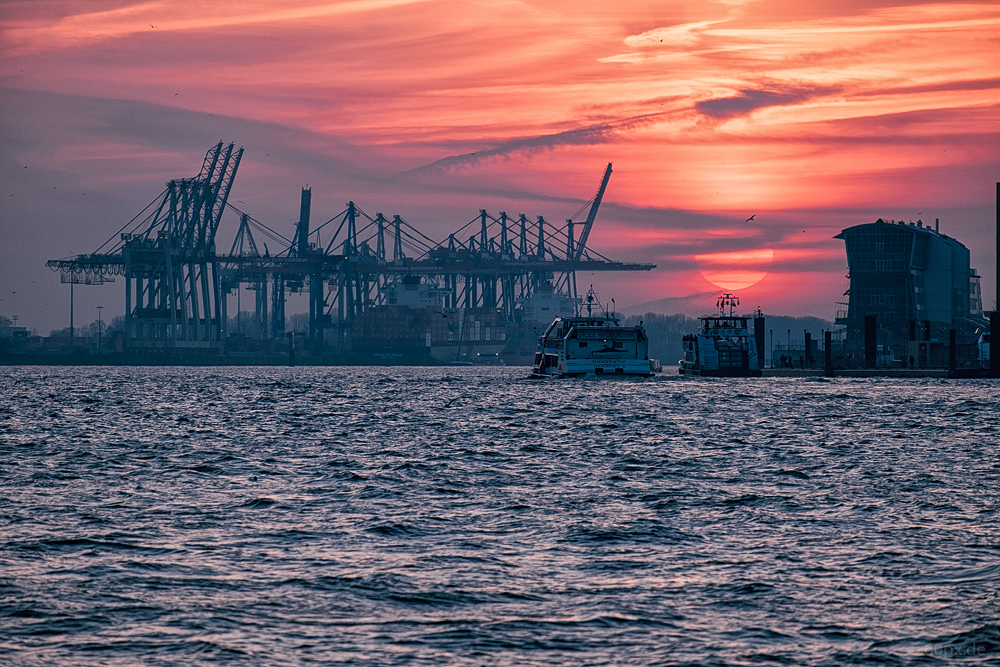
(99, 329)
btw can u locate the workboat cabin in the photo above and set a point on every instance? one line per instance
(595, 344)
(726, 344)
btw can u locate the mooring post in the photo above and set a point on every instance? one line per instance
(994, 352)
(952, 352)
(758, 335)
(828, 354)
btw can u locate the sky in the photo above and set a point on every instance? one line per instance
(809, 117)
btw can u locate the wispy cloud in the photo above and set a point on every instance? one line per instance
(747, 101)
(671, 37)
(174, 16)
(585, 136)
(710, 111)
(734, 67)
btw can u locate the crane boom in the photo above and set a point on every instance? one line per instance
(582, 243)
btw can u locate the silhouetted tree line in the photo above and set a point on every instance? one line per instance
(107, 328)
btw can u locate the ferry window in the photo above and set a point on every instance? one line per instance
(617, 343)
(583, 344)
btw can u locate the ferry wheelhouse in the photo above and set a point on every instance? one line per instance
(593, 345)
(725, 346)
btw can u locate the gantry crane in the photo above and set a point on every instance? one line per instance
(176, 283)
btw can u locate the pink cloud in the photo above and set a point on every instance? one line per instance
(814, 116)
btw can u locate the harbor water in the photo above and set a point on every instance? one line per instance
(470, 516)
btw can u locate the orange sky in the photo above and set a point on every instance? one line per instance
(812, 119)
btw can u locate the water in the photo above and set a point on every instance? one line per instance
(278, 516)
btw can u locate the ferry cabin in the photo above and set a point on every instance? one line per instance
(577, 346)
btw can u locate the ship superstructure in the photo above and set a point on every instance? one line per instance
(593, 345)
(726, 344)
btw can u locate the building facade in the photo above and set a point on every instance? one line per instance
(918, 284)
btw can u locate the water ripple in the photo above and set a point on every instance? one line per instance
(169, 516)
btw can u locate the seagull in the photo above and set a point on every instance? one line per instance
(750, 218)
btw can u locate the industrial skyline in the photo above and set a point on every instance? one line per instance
(745, 135)
(178, 280)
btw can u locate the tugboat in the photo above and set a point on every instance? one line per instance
(595, 345)
(726, 345)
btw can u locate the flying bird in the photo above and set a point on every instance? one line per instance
(750, 218)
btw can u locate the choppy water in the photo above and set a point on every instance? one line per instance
(277, 516)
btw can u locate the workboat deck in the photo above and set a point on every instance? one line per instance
(726, 344)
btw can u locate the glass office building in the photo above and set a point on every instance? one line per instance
(918, 284)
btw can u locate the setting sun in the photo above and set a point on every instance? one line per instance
(813, 117)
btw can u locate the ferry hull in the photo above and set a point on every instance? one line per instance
(621, 367)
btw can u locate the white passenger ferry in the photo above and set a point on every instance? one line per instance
(593, 345)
